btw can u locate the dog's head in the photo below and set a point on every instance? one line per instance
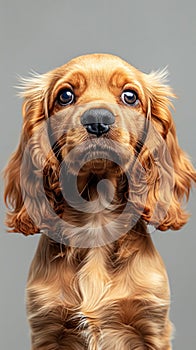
(97, 118)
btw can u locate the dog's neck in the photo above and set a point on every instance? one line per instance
(94, 208)
(93, 186)
(99, 214)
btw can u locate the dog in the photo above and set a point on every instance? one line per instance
(97, 165)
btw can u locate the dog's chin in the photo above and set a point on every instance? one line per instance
(100, 166)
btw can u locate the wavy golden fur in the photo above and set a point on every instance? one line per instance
(92, 294)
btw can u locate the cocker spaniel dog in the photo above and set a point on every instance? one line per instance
(97, 167)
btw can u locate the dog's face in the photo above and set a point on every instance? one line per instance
(95, 118)
(98, 101)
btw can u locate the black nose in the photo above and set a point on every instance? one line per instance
(97, 121)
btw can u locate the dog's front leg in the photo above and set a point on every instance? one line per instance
(137, 325)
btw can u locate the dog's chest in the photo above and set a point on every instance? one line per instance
(99, 288)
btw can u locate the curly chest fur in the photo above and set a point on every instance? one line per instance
(88, 293)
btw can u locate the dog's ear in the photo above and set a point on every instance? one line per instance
(184, 176)
(180, 169)
(18, 220)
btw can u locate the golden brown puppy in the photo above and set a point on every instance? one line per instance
(98, 161)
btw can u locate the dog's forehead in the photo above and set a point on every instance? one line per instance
(94, 67)
(98, 61)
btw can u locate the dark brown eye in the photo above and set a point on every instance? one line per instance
(129, 97)
(65, 97)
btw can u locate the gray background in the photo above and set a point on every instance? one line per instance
(41, 35)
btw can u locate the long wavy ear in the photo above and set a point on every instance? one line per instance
(184, 176)
(182, 171)
(34, 93)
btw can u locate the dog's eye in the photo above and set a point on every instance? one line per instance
(130, 97)
(65, 97)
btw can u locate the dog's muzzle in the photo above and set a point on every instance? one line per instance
(97, 121)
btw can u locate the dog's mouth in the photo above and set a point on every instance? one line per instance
(95, 156)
